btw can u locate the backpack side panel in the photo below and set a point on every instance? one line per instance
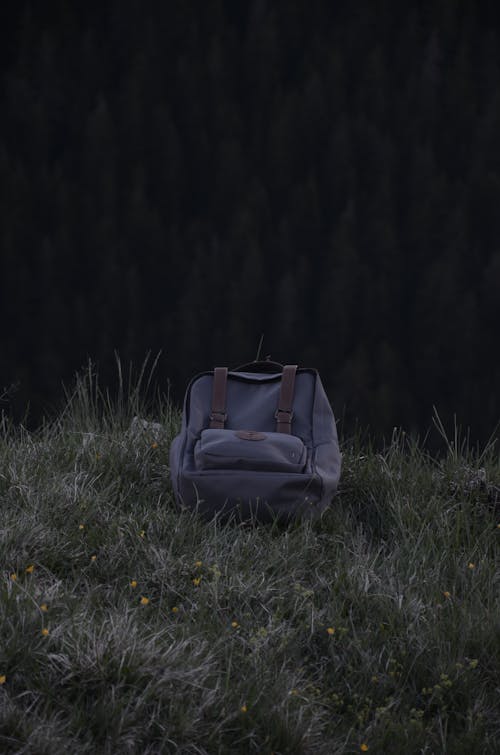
(177, 449)
(327, 460)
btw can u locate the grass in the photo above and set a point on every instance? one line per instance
(127, 626)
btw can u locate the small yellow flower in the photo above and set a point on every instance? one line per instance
(3, 679)
(198, 564)
(44, 607)
(93, 558)
(243, 708)
(364, 747)
(81, 526)
(473, 663)
(144, 601)
(13, 576)
(447, 594)
(154, 445)
(175, 609)
(30, 569)
(330, 630)
(142, 533)
(133, 584)
(45, 632)
(498, 526)
(196, 581)
(471, 565)
(234, 624)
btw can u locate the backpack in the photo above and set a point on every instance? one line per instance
(258, 442)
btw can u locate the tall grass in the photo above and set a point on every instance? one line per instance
(127, 626)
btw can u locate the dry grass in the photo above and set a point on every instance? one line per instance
(377, 627)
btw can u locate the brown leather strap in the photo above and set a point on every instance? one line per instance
(218, 414)
(284, 413)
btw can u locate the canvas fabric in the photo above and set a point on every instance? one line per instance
(246, 468)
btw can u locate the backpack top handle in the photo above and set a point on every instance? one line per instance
(263, 365)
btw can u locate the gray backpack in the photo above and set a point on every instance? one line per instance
(258, 441)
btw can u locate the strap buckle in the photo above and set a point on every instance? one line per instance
(284, 416)
(218, 417)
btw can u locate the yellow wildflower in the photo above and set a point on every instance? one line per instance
(30, 569)
(81, 526)
(331, 630)
(45, 632)
(198, 564)
(243, 708)
(447, 594)
(3, 679)
(364, 747)
(13, 576)
(471, 565)
(154, 445)
(144, 601)
(175, 609)
(473, 663)
(196, 581)
(133, 584)
(93, 558)
(234, 624)
(142, 533)
(44, 607)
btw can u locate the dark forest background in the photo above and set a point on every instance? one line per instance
(184, 176)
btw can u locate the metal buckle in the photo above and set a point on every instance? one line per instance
(284, 415)
(218, 417)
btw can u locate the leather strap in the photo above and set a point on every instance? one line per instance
(284, 413)
(218, 414)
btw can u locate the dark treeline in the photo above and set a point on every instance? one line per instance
(186, 176)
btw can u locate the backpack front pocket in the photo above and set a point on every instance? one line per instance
(251, 450)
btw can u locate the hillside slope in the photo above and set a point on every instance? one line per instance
(127, 626)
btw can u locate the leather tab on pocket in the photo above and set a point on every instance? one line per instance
(250, 435)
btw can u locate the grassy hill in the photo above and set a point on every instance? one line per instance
(129, 627)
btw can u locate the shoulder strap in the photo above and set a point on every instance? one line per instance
(218, 414)
(284, 413)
